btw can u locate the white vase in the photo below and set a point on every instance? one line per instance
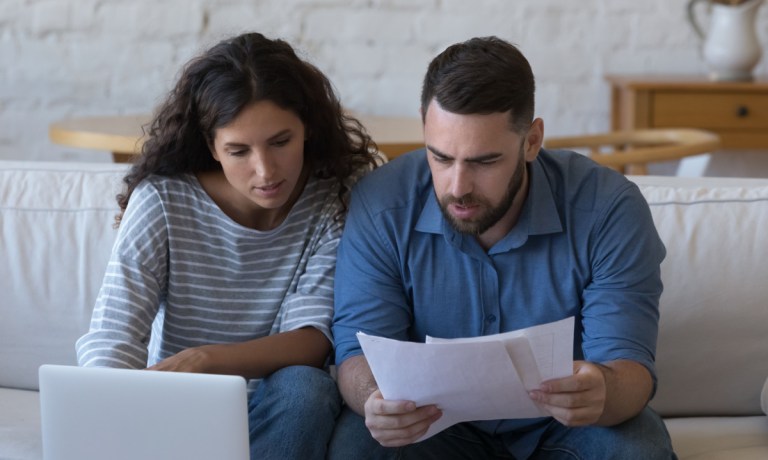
(730, 46)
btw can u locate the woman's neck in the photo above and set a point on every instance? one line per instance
(241, 209)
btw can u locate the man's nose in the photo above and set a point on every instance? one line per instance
(461, 182)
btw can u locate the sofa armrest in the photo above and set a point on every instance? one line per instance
(764, 398)
(56, 235)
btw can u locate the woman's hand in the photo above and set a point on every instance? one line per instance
(198, 359)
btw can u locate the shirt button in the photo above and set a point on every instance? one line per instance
(491, 318)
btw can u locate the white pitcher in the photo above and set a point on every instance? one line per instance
(731, 48)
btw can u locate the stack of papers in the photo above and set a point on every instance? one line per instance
(478, 378)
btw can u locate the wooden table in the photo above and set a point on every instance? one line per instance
(122, 134)
(736, 111)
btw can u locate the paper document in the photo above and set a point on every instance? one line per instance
(478, 378)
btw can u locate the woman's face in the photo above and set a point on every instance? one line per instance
(262, 154)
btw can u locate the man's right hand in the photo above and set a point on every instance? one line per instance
(397, 423)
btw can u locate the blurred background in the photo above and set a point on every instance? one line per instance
(73, 58)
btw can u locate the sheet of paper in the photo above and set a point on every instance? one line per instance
(548, 344)
(479, 378)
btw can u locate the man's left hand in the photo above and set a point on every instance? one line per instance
(576, 400)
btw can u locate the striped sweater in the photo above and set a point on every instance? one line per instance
(183, 274)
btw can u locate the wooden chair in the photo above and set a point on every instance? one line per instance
(629, 152)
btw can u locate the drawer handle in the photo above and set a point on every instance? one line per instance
(742, 111)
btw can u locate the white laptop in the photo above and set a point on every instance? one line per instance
(100, 413)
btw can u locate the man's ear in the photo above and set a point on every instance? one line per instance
(534, 139)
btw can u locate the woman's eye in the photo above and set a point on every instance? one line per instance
(237, 153)
(281, 142)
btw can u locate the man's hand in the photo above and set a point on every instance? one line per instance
(391, 423)
(577, 400)
(397, 423)
(603, 394)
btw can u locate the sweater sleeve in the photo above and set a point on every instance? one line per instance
(310, 304)
(131, 291)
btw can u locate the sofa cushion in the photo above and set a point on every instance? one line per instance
(20, 436)
(719, 438)
(50, 284)
(740, 453)
(712, 353)
(764, 397)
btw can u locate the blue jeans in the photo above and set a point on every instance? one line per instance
(292, 413)
(643, 437)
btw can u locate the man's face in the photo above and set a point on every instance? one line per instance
(478, 168)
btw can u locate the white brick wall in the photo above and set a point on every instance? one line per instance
(62, 58)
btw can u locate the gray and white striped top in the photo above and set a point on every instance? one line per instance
(183, 274)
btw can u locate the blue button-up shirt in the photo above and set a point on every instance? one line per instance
(584, 245)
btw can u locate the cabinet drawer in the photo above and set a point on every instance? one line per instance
(710, 110)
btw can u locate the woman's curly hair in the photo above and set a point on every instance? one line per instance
(216, 86)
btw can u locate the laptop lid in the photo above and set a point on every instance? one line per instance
(98, 413)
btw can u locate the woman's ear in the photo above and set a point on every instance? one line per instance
(212, 149)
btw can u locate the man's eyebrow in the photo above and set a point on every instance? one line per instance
(476, 159)
(438, 153)
(484, 157)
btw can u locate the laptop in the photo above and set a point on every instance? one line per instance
(97, 413)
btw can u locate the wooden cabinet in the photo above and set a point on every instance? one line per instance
(737, 111)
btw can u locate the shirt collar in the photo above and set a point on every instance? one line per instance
(539, 215)
(544, 220)
(431, 218)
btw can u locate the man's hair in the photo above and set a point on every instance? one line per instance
(481, 76)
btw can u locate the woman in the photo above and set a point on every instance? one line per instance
(227, 238)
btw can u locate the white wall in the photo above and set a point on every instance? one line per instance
(62, 58)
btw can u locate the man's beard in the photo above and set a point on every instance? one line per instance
(491, 215)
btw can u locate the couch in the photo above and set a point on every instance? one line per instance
(56, 234)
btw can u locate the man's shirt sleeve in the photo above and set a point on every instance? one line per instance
(369, 294)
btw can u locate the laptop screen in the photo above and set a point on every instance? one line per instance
(98, 413)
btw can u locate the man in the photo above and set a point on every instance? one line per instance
(485, 232)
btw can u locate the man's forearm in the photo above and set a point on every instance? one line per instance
(628, 389)
(356, 382)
